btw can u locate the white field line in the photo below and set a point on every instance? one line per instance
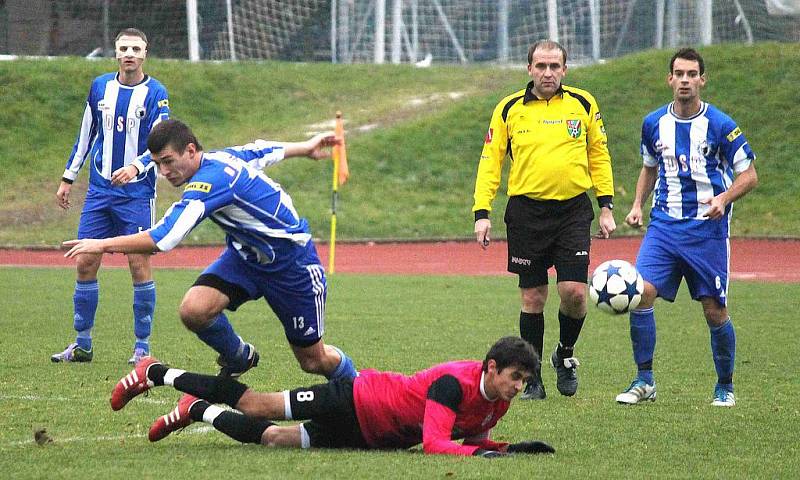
(192, 430)
(39, 398)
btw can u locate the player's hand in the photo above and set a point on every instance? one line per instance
(62, 195)
(716, 207)
(77, 247)
(123, 175)
(634, 217)
(534, 446)
(607, 223)
(318, 145)
(482, 228)
(488, 453)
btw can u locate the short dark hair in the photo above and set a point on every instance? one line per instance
(173, 133)
(132, 32)
(510, 352)
(546, 45)
(688, 54)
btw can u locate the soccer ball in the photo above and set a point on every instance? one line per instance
(616, 287)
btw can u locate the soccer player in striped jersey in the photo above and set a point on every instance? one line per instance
(376, 410)
(121, 109)
(697, 162)
(269, 249)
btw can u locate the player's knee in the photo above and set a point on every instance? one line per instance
(194, 316)
(87, 266)
(574, 296)
(533, 300)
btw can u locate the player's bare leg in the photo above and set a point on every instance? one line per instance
(282, 436)
(326, 360)
(201, 311)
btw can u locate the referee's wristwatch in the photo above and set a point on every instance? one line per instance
(605, 201)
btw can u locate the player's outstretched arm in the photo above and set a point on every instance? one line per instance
(316, 147)
(140, 242)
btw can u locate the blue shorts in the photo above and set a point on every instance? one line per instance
(296, 294)
(106, 216)
(665, 258)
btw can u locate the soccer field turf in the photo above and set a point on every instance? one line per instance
(401, 324)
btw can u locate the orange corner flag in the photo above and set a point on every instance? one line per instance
(340, 151)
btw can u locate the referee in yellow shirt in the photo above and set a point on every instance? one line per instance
(555, 138)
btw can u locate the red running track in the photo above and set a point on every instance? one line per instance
(752, 259)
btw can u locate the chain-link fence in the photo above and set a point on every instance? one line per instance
(388, 30)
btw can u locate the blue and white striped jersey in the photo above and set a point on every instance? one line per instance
(256, 214)
(116, 122)
(696, 159)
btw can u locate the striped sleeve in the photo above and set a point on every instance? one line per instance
(179, 220)
(83, 142)
(259, 154)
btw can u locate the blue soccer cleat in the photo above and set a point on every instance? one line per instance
(723, 397)
(639, 391)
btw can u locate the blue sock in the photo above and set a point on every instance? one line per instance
(346, 368)
(723, 347)
(643, 339)
(144, 304)
(85, 303)
(221, 337)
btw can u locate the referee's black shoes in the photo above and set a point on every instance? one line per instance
(567, 381)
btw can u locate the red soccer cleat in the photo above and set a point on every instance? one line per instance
(174, 420)
(132, 384)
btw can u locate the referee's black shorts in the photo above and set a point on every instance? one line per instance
(546, 233)
(332, 414)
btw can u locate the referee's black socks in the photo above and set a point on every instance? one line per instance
(568, 336)
(531, 329)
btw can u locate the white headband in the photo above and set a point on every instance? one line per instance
(125, 47)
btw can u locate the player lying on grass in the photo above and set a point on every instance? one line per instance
(376, 410)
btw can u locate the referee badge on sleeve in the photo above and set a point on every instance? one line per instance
(488, 138)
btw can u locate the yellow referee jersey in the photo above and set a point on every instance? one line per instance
(558, 148)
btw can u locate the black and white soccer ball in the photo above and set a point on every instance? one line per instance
(616, 287)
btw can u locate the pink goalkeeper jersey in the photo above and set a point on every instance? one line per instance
(432, 407)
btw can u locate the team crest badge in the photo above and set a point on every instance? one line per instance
(140, 112)
(574, 128)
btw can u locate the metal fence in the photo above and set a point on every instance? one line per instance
(396, 31)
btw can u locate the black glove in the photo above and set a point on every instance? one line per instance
(488, 453)
(530, 447)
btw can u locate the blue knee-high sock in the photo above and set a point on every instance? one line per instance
(85, 302)
(643, 339)
(144, 304)
(346, 368)
(723, 347)
(220, 336)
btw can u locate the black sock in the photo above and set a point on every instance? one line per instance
(212, 388)
(570, 330)
(531, 329)
(156, 372)
(197, 410)
(240, 427)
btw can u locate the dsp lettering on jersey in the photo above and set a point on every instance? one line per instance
(163, 103)
(198, 187)
(734, 134)
(488, 138)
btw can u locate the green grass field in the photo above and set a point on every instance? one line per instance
(402, 324)
(413, 172)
